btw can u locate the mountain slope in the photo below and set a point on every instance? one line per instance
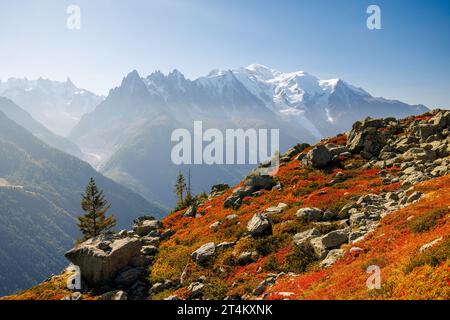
(121, 133)
(40, 190)
(376, 198)
(57, 105)
(24, 119)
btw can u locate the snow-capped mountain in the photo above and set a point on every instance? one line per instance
(323, 107)
(129, 132)
(57, 105)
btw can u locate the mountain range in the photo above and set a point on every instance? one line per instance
(128, 134)
(57, 105)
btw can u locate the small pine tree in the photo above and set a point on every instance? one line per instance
(95, 222)
(180, 188)
(189, 196)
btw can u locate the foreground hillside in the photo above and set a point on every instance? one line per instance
(377, 197)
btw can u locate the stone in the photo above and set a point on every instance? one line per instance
(332, 257)
(260, 181)
(129, 276)
(419, 154)
(235, 199)
(310, 214)
(149, 250)
(161, 286)
(150, 241)
(259, 226)
(335, 238)
(262, 286)
(205, 253)
(97, 266)
(143, 228)
(414, 197)
(114, 295)
(440, 171)
(273, 210)
(344, 213)
(120, 296)
(190, 212)
(355, 251)
(196, 290)
(318, 157)
(365, 139)
(357, 218)
(123, 233)
(218, 188)
(429, 245)
(215, 225)
(332, 240)
(73, 296)
(167, 234)
(356, 235)
(247, 257)
(225, 245)
(304, 237)
(329, 215)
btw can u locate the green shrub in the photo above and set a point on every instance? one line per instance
(313, 186)
(433, 256)
(217, 290)
(272, 264)
(270, 244)
(299, 260)
(427, 221)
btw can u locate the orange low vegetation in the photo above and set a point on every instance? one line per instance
(405, 273)
(302, 187)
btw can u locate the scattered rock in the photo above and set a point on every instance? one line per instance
(429, 245)
(332, 257)
(260, 181)
(190, 212)
(73, 296)
(259, 226)
(414, 197)
(215, 225)
(332, 240)
(205, 253)
(196, 290)
(144, 227)
(356, 251)
(149, 250)
(225, 245)
(318, 157)
(172, 298)
(247, 257)
(97, 266)
(310, 214)
(304, 237)
(128, 277)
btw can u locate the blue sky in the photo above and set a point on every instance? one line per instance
(407, 60)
